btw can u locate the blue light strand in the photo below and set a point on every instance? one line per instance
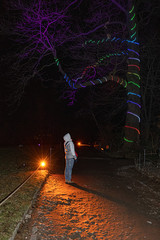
(134, 103)
(134, 39)
(69, 82)
(99, 80)
(134, 115)
(113, 39)
(137, 59)
(92, 82)
(133, 51)
(82, 85)
(74, 86)
(131, 41)
(131, 93)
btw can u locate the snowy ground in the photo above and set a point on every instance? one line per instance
(108, 200)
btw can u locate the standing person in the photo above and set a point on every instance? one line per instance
(70, 157)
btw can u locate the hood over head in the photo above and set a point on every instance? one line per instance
(67, 137)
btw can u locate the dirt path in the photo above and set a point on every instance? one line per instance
(99, 205)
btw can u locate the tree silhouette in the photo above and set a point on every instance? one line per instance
(88, 47)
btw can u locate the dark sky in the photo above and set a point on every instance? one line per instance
(42, 113)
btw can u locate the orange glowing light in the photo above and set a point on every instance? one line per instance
(43, 164)
(79, 143)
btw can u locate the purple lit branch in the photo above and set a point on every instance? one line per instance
(120, 6)
(43, 28)
(51, 34)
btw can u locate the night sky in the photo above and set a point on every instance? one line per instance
(45, 115)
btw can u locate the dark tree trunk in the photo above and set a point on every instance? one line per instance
(132, 132)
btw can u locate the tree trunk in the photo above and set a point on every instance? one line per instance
(131, 129)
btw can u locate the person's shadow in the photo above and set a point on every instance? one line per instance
(108, 197)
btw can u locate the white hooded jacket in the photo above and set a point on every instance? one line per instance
(69, 147)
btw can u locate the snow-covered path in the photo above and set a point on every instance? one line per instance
(99, 205)
(81, 211)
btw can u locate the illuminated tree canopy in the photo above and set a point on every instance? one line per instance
(87, 42)
(83, 44)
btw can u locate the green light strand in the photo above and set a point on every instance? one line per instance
(133, 27)
(133, 34)
(131, 82)
(125, 84)
(131, 10)
(107, 56)
(133, 17)
(57, 61)
(130, 141)
(106, 40)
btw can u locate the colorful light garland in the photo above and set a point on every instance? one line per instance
(131, 10)
(57, 61)
(131, 82)
(130, 141)
(134, 65)
(104, 40)
(133, 27)
(133, 128)
(99, 61)
(131, 93)
(110, 55)
(134, 57)
(133, 73)
(129, 101)
(134, 115)
(131, 50)
(95, 81)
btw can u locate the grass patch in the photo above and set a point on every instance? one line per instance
(16, 165)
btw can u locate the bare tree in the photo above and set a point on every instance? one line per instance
(88, 48)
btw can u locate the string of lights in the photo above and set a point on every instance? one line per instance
(128, 101)
(134, 115)
(95, 81)
(133, 128)
(133, 72)
(133, 66)
(127, 140)
(114, 39)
